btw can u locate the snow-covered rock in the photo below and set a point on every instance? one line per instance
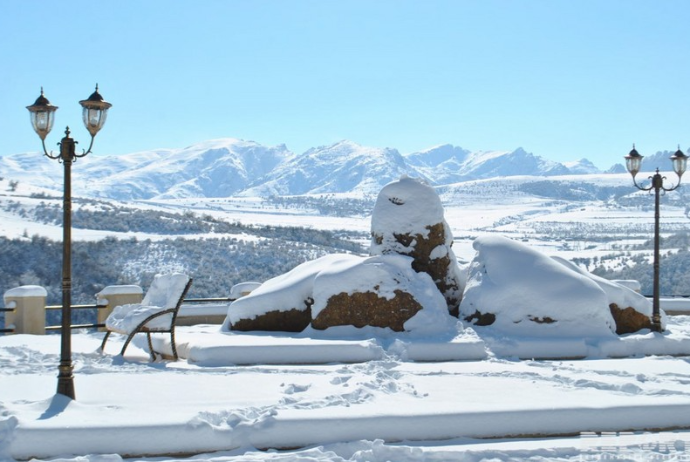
(521, 292)
(281, 303)
(408, 220)
(630, 310)
(336, 290)
(381, 291)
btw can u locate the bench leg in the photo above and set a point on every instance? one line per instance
(151, 352)
(129, 339)
(172, 343)
(105, 339)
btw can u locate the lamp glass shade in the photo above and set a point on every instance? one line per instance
(633, 162)
(95, 111)
(42, 116)
(680, 161)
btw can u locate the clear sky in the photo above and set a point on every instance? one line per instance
(562, 79)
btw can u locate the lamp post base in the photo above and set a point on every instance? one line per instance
(66, 381)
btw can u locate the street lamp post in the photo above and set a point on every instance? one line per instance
(633, 162)
(94, 114)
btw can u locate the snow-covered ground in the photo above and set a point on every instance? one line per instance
(377, 408)
(480, 394)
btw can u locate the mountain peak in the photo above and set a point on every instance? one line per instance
(581, 167)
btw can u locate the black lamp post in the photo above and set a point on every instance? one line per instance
(633, 162)
(42, 112)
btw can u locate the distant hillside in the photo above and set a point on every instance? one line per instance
(231, 167)
(239, 253)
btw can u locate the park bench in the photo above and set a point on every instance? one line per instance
(156, 313)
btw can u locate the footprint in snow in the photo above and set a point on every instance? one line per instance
(294, 388)
(340, 380)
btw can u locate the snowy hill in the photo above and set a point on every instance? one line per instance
(582, 167)
(449, 164)
(217, 168)
(341, 167)
(231, 167)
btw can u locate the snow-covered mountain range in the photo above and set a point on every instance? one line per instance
(232, 167)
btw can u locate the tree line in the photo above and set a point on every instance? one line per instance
(216, 264)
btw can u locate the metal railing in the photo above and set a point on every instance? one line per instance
(208, 300)
(5, 330)
(77, 326)
(100, 307)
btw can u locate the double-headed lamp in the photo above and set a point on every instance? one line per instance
(95, 110)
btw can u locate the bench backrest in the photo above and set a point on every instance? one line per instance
(166, 290)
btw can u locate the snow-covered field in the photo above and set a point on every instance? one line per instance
(388, 408)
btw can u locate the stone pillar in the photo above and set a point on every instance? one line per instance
(113, 296)
(29, 316)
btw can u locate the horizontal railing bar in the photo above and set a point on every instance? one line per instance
(7, 310)
(209, 300)
(668, 296)
(77, 326)
(76, 307)
(7, 331)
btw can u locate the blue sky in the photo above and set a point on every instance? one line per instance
(562, 79)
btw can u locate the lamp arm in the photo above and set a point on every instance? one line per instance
(88, 151)
(672, 188)
(45, 151)
(641, 188)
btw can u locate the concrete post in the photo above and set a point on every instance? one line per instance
(29, 316)
(113, 296)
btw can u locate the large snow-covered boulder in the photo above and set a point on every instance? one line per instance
(408, 220)
(381, 291)
(345, 290)
(282, 303)
(519, 291)
(630, 310)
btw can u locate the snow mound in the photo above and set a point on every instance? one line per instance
(531, 294)
(617, 293)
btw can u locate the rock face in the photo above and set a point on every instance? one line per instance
(408, 220)
(367, 309)
(293, 320)
(629, 320)
(519, 291)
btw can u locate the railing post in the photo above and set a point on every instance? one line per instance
(29, 316)
(113, 296)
